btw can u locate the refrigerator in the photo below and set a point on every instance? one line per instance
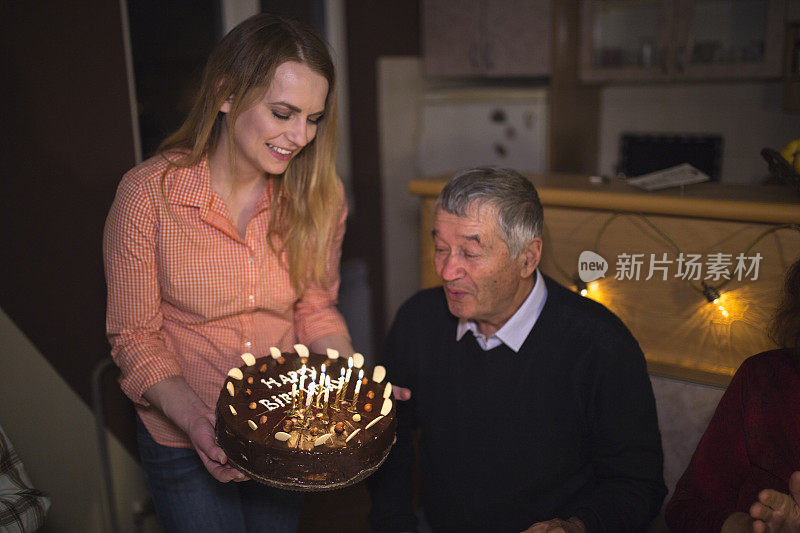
(462, 128)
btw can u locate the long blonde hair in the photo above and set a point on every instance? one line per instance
(309, 193)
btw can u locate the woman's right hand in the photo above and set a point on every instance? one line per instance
(182, 405)
(201, 432)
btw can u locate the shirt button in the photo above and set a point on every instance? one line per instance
(252, 298)
(247, 344)
(251, 259)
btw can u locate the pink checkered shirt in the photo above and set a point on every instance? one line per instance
(187, 295)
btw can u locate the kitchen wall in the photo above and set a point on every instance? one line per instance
(400, 91)
(66, 144)
(747, 115)
(53, 433)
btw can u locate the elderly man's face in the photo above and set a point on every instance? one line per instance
(481, 281)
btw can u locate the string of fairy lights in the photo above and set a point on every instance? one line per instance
(712, 293)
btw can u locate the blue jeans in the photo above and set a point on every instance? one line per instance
(188, 499)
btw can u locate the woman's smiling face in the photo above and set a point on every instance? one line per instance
(271, 132)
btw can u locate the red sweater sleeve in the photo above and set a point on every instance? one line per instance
(708, 491)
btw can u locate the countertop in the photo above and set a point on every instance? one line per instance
(772, 204)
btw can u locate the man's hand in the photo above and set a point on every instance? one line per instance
(556, 525)
(400, 393)
(776, 512)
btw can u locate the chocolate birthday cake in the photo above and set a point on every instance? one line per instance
(303, 421)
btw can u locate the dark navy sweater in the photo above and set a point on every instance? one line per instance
(566, 427)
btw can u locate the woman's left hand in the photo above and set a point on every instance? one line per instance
(776, 512)
(340, 343)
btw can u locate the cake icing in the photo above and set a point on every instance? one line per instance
(275, 425)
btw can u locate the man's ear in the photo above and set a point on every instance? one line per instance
(530, 257)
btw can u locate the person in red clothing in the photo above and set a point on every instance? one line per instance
(745, 474)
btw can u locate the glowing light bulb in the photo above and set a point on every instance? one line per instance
(584, 292)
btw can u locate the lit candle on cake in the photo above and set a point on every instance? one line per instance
(310, 391)
(322, 377)
(327, 393)
(358, 389)
(339, 387)
(294, 393)
(303, 370)
(347, 376)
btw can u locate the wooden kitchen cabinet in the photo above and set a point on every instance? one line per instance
(791, 97)
(486, 38)
(680, 40)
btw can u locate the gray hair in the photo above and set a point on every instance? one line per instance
(518, 207)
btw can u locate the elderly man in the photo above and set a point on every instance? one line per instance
(533, 403)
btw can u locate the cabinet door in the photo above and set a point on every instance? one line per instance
(518, 38)
(452, 37)
(729, 39)
(626, 40)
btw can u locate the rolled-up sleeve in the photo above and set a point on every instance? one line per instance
(133, 317)
(315, 313)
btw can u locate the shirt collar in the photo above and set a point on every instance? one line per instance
(517, 328)
(190, 186)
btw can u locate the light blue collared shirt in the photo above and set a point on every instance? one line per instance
(516, 330)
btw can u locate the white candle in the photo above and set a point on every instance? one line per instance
(339, 389)
(327, 388)
(322, 377)
(302, 376)
(310, 395)
(294, 388)
(349, 370)
(358, 383)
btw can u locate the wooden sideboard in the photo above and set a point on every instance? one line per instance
(682, 334)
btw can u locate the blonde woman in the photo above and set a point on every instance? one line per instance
(227, 241)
